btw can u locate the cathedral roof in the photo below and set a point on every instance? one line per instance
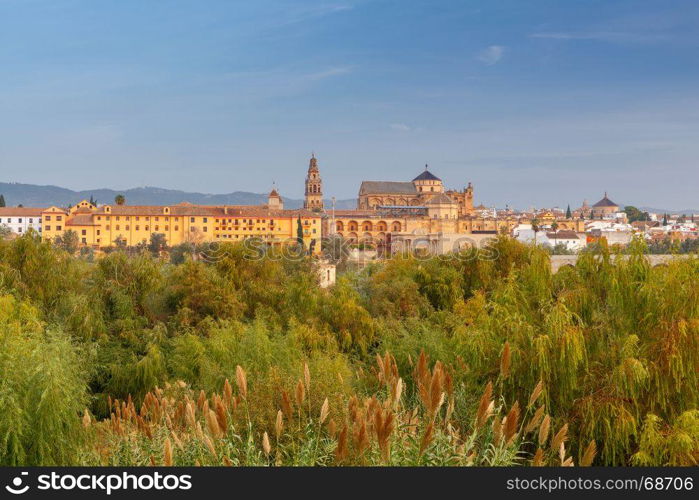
(274, 194)
(387, 187)
(427, 176)
(440, 199)
(605, 202)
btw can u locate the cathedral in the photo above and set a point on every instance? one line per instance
(419, 192)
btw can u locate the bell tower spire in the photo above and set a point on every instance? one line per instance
(314, 186)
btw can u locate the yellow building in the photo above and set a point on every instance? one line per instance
(108, 225)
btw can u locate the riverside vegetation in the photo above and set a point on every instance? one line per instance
(135, 359)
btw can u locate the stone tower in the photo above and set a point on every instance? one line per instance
(314, 187)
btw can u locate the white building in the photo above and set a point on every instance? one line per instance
(20, 219)
(571, 240)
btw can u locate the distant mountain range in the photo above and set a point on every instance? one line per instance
(31, 195)
(686, 211)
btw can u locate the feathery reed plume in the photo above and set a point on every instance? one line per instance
(589, 455)
(544, 430)
(538, 460)
(189, 415)
(362, 438)
(421, 368)
(212, 424)
(482, 414)
(497, 429)
(426, 438)
(167, 453)
(242, 381)
(505, 361)
(151, 459)
(201, 401)
(332, 428)
(210, 445)
(227, 461)
(300, 394)
(279, 425)
(341, 450)
(535, 393)
(324, 410)
(286, 405)
(307, 376)
(227, 393)
(560, 437)
(86, 419)
(178, 443)
(535, 420)
(221, 416)
(383, 426)
(266, 447)
(511, 424)
(397, 393)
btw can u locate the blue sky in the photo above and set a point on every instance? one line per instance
(539, 102)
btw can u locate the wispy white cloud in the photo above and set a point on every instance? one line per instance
(400, 126)
(604, 36)
(327, 73)
(491, 55)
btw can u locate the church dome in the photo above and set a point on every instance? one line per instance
(427, 176)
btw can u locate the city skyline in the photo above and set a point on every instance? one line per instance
(544, 105)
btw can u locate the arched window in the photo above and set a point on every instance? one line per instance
(339, 226)
(396, 227)
(366, 226)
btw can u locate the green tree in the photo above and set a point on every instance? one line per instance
(68, 241)
(569, 214)
(120, 199)
(2, 200)
(299, 232)
(633, 214)
(535, 227)
(157, 243)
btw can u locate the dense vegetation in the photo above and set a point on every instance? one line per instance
(487, 359)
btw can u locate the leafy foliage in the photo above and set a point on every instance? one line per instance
(609, 347)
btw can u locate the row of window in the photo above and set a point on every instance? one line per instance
(19, 229)
(19, 220)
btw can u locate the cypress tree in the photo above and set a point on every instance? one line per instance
(2, 200)
(299, 232)
(569, 214)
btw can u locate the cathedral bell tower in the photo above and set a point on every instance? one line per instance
(314, 187)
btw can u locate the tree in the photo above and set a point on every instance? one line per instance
(299, 232)
(633, 214)
(2, 200)
(157, 243)
(554, 228)
(68, 241)
(569, 214)
(120, 199)
(664, 219)
(535, 227)
(93, 201)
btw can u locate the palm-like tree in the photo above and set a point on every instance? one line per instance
(535, 227)
(554, 228)
(119, 199)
